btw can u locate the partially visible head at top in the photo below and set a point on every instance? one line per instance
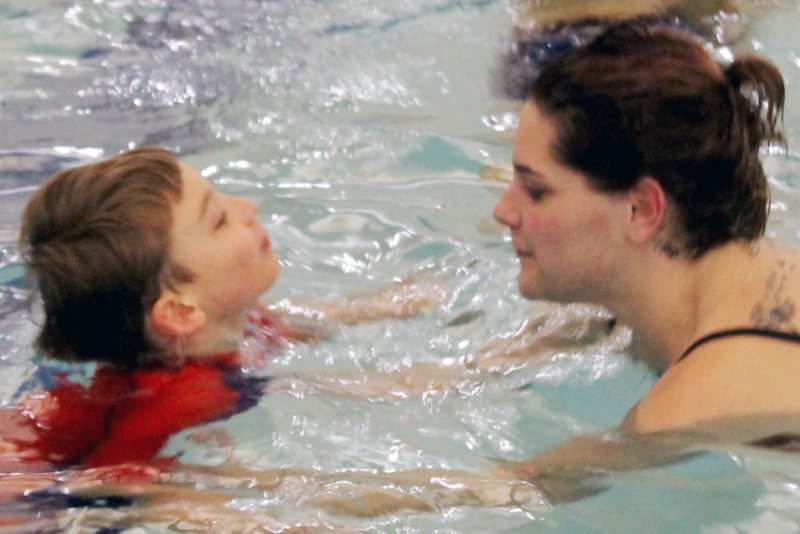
(645, 101)
(137, 257)
(545, 30)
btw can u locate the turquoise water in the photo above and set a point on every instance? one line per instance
(361, 129)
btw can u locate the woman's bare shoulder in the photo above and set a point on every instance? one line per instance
(723, 381)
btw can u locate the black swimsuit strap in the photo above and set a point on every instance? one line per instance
(763, 332)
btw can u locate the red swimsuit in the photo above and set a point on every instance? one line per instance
(128, 416)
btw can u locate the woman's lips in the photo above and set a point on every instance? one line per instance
(265, 244)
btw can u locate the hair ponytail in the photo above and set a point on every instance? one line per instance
(759, 92)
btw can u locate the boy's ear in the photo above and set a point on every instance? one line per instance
(648, 209)
(176, 316)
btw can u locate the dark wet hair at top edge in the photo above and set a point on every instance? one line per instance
(523, 59)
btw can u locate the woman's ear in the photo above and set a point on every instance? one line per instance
(648, 210)
(175, 316)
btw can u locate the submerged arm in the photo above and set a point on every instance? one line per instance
(557, 329)
(570, 471)
(404, 299)
(203, 489)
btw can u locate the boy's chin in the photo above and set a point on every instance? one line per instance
(268, 284)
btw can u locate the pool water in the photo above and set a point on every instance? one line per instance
(361, 129)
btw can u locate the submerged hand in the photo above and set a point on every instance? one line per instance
(554, 486)
(416, 293)
(402, 300)
(425, 490)
(516, 470)
(372, 502)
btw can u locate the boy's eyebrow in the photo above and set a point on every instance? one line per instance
(204, 204)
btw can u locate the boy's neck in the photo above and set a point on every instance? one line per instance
(216, 336)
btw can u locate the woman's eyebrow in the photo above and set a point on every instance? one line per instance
(521, 168)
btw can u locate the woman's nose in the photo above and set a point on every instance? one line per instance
(504, 211)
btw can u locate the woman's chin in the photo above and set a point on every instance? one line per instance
(528, 287)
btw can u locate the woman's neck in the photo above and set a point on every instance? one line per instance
(670, 302)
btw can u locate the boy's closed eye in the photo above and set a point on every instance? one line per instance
(221, 220)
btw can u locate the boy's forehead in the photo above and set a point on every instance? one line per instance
(194, 189)
(189, 173)
(194, 184)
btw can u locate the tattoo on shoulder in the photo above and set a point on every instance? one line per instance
(776, 310)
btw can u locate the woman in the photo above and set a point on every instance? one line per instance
(637, 185)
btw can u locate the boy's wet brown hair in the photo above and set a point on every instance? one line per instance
(643, 100)
(96, 238)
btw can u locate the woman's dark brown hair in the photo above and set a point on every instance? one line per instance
(643, 100)
(96, 239)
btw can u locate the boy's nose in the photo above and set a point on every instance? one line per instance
(247, 210)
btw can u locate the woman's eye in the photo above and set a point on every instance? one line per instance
(221, 221)
(536, 193)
